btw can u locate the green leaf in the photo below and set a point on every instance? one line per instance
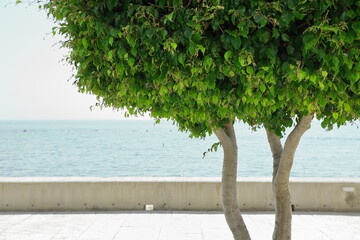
(236, 42)
(309, 41)
(325, 123)
(260, 20)
(208, 62)
(301, 74)
(201, 47)
(300, 88)
(335, 115)
(356, 27)
(192, 50)
(196, 36)
(188, 33)
(215, 99)
(347, 107)
(227, 55)
(298, 15)
(263, 35)
(131, 62)
(275, 33)
(262, 87)
(324, 73)
(336, 61)
(285, 37)
(134, 51)
(290, 50)
(120, 68)
(313, 78)
(287, 17)
(173, 45)
(242, 61)
(169, 17)
(271, 53)
(111, 41)
(182, 58)
(250, 70)
(244, 30)
(162, 3)
(322, 101)
(110, 55)
(85, 43)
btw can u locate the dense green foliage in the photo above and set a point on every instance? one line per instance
(203, 63)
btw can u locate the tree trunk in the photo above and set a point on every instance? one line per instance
(227, 138)
(283, 160)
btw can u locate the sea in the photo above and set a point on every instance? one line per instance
(141, 148)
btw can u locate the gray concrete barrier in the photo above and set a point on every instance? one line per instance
(62, 194)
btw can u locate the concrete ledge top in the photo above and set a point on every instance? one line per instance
(164, 179)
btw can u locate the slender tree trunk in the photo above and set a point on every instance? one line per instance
(227, 138)
(283, 161)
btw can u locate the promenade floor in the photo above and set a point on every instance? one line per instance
(168, 225)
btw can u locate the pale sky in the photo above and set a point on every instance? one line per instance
(33, 80)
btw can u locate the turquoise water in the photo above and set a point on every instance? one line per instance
(140, 148)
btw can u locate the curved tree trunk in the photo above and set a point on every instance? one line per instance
(283, 160)
(227, 138)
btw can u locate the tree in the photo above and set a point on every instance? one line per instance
(207, 64)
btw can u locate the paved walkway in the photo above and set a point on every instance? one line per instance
(176, 225)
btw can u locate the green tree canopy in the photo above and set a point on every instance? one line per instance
(203, 63)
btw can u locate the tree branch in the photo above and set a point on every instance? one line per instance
(276, 149)
(225, 134)
(290, 146)
(281, 178)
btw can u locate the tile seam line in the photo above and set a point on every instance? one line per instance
(22, 220)
(122, 224)
(54, 237)
(78, 237)
(201, 226)
(161, 227)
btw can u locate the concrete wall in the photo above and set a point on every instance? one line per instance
(40, 194)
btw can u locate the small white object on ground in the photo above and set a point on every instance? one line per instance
(149, 207)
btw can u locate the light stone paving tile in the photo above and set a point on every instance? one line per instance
(330, 228)
(11, 218)
(257, 233)
(137, 218)
(174, 235)
(260, 225)
(186, 222)
(105, 226)
(19, 236)
(160, 219)
(36, 224)
(171, 226)
(76, 223)
(217, 234)
(307, 227)
(214, 227)
(339, 227)
(65, 236)
(214, 220)
(183, 225)
(137, 233)
(51, 224)
(251, 225)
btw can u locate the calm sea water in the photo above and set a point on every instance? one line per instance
(140, 148)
